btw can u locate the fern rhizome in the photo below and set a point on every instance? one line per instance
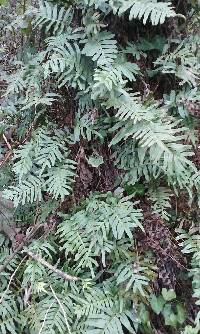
(100, 167)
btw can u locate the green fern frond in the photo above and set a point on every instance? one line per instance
(135, 277)
(16, 83)
(53, 17)
(105, 312)
(88, 233)
(111, 323)
(156, 12)
(49, 318)
(9, 314)
(25, 192)
(23, 160)
(160, 198)
(101, 48)
(36, 100)
(60, 179)
(183, 62)
(161, 139)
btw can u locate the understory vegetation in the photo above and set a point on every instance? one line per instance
(99, 167)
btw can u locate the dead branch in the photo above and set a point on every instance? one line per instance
(7, 142)
(60, 273)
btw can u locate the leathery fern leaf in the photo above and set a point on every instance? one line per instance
(60, 179)
(9, 314)
(110, 323)
(89, 233)
(27, 191)
(49, 317)
(135, 276)
(190, 244)
(41, 165)
(102, 48)
(162, 138)
(156, 12)
(105, 312)
(160, 199)
(53, 17)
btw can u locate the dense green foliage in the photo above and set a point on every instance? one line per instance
(100, 169)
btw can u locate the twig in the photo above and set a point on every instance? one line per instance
(11, 278)
(9, 153)
(7, 156)
(62, 308)
(49, 266)
(7, 142)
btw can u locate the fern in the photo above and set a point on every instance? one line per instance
(52, 17)
(135, 163)
(190, 245)
(67, 63)
(111, 323)
(45, 161)
(134, 276)
(104, 220)
(9, 315)
(37, 100)
(86, 127)
(99, 132)
(48, 317)
(157, 12)
(16, 83)
(102, 48)
(26, 192)
(160, 139)
(160, 198)
(105, 313)
(60, 179)
(182, 62)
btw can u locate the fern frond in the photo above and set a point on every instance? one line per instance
(48, 149)
(36, 100)
(23, 160)
(87, 128)
(53, 18)
(135, 277)
(94, 301)
(190, 244)
(60, 179)
(88, 233)
(156, 12)
(105, 312)
(67, 63)
(45, 160)
(27, 191)
(183, 62)
(161, 139)
(61, 39)
(111, 323)
(160, 198)
(101, 48)
(49, 318)
(107, 81)
(9, 314)
(16, 83)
